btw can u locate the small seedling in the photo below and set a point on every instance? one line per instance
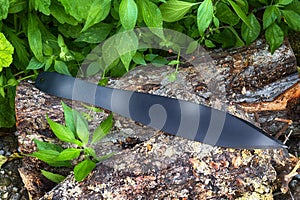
(77, 133)
(173, 76)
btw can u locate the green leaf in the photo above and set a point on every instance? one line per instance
(90, 152)
(49, 156)
(56, 178)
(35, 64)
(22, 59)
(35, 37)
(68, 154)
(226, 37)
(48, 63)
(47, 146)
(97, 12)
(69, 117)
(63, 133)
(105, 157)
(292, 19)
(209, 44)
(60, 163)
(3, 160)
(159, 61)
(174, 10)
(76, 123)
(238, 42)
(274, 36)
(61, 67)
(225, 14)
(109, 51)
(271, 14)
(46, 155)
(128, 13)
(79, 9)
(93, 108)
(216, 22)
(7, 117)
(205, 15)
(12, 82)
(127, 44)
(250, 34)
(16, 6)
(138, 58)
(2, 92)
(192, 47)
(82, 130)
(93, 68)
(152, 17)
(1, 79)
(284, 2)
(156, 60)
(150, 57)
(6, 51)
(47, 50)
(82, 170)
(69, 30)
(243, 4)
(42, 6)
(95, 34)
(295, 6)
(58, 12)
(4, 9)
(240, 12)
(65, 54)
(174, 62)
(103, 129)
(126, 60)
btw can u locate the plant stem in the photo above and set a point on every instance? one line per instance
(26, 77)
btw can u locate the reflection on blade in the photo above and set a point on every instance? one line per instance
(177, 117)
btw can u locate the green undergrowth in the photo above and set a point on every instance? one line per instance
(81, 157)
(57, 35)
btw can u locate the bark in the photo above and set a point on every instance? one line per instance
(162, 166)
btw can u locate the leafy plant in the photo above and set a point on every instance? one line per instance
(74, 132)
(58, 35)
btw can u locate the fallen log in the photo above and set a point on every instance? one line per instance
(163, 166)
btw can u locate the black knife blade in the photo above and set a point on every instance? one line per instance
(178, 117)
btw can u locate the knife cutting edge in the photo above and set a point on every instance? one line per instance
(178, 117)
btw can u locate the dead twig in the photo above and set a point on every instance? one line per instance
(287, 137)
(284, 128)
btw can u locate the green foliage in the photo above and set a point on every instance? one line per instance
(102, 130)
(250, 33)
(6, 51)
(128, 12)
(275, 36)
(7, 98)
(204, 15)
(98, 11)
(4, 9)
(75, 132)
(57, 35)
(174, 10)
(56, 178)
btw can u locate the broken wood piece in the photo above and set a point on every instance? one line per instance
(279, 103)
